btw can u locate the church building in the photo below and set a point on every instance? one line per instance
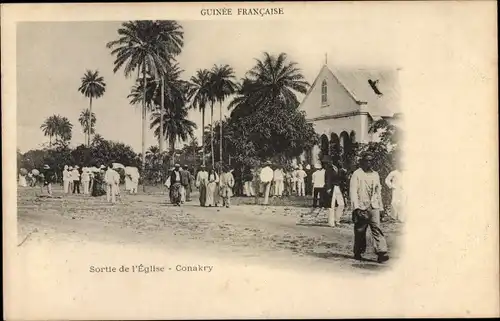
(342, 104)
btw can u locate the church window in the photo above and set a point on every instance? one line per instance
(324, 92)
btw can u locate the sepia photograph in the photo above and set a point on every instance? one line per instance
(252, 160)
(143, 127)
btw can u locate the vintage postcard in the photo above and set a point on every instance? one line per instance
(250, 160)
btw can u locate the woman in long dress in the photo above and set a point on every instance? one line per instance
(201, 184)
(175, 186)
(22, 177)
(213, 179)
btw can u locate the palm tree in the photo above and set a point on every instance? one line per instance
(85, 117)
(200, 95)
(49, 127)
(223, 85)
(141, 46)
(176, 126)
(92, 86)
(57, 126)
(272, 80)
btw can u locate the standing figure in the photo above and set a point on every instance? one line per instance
(185, 182)
(176, 185)
(334, 200)
(75, 176)
(98, 184)
(49, 177)
(85, 180)
(366, 198)
(226, 186)
(301, 175)
(189, 185)
(201, 183)
(111, 178)
(294, 179)
(288, 182)
(66, 179)
(22, 177)
(266, 177)
(213, 179)
(318, 183)
(308, 180)
(278, 178)
(395, 182)
(248, 182)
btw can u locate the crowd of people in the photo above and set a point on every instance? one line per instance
(328, 183)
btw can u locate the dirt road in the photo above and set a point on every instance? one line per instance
(250, 233)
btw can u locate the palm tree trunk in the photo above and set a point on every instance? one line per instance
(212, 133)
(172, 148)
(144, 123)
(203, 134)
(89, 122)
(162, 107)
(220, 139)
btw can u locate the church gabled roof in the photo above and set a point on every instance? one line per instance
(376, 88)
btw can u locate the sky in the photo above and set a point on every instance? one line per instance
(53, 56)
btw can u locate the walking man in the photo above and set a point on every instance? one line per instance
(111, 178)
(366, 198)
(318, 183)
(185, 181)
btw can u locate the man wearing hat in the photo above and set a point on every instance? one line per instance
(49, 177)
(365, 193)
(75, 175)
(266, 177)
(318, 183)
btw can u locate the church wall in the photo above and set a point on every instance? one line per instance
(338, 99)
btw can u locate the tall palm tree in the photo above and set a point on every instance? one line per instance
(172, 37)
(92, 86)
(140, 46)
(57, 126)
(200, 95)
(223, 85)
(273, 80)
(176, 126)
(88, 127)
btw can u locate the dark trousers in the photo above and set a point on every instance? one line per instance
(76, 187)
(362, 219)
(318, 196)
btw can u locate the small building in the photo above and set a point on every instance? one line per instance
(343, 103)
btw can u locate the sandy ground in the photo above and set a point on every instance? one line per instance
(251, 233)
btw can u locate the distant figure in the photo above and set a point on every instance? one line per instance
(201, 183)
(294, 179)
(366, 198)
(176, 185)
(189, 186)
(66, 179)
(300, 176)
(226, 184)
(85, 180)
(98, 184)
(334, 200)
(111, 177)
(266, 177)
(248, 182)
(308, 180)
(318, 183)
(75, 176)
(22, 177)
(185, 182)
(278, 178)
(395, 182)
(213, 179)
(49, 177)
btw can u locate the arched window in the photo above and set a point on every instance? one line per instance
(324, 92)
(324, 144)
(353, 136)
